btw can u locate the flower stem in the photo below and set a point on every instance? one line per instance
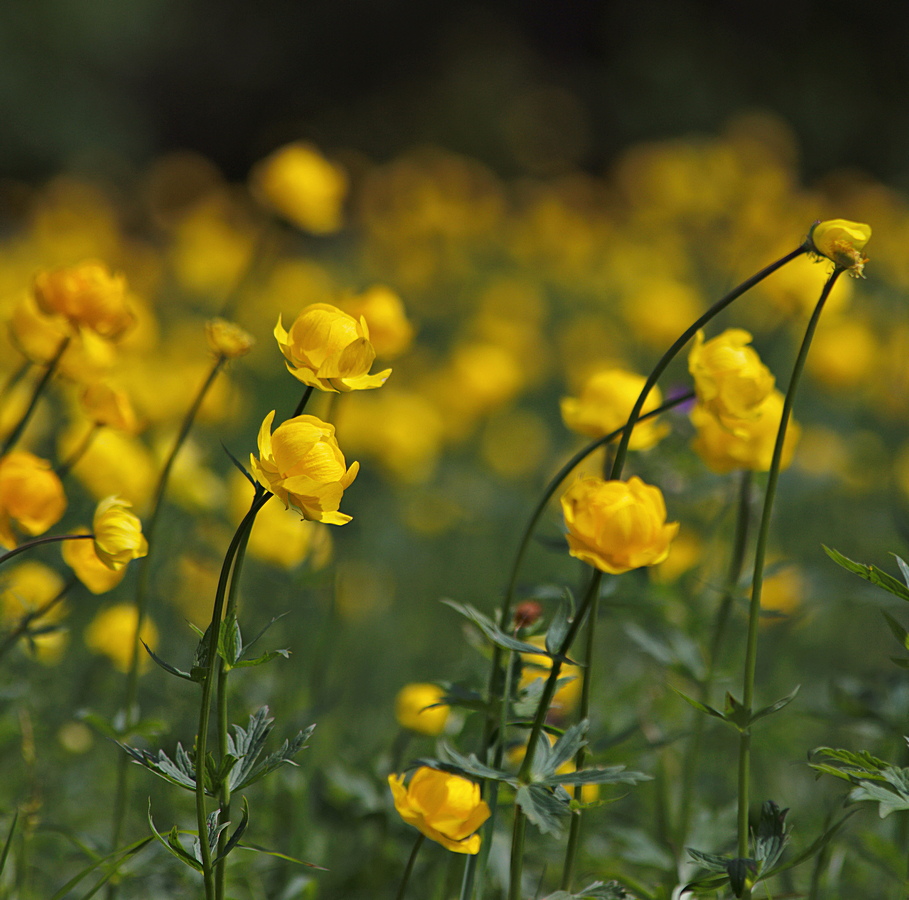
(410, 864)
(63, 468)
(51, 367)
(37, 542)
(754, 610)
(10, 639)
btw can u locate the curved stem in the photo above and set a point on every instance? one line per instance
(9, 640)
(754, 610)
(303, 401)
(410, 864)
(37, 542)
(16, 433)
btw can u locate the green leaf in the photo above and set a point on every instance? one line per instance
(598, 775)
(741, 874)
(277, 855)
(238, 833)
(261, 660)
(815, 847)
(710, 861)
(173, 670)
(736, 714)
(566, 747)
(469, 766)
(180, 771)
(9, 840)
(230, 641)
(594, 891)
(542, 808)
(464, 698)
(770, 836)
(494, 634)
(677, 650)
(899, 632)
(561, 622)
(703, 707)
(118, 857)
(247, 744)
(775, 707)
(871, 573)
(173, 845)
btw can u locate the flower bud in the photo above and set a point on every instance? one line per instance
(31, 496)
(118, 533)
(227, 339)
(842, 242)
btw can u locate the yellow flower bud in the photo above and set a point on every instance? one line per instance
(328, 349)
(617, 526)
(118, 533)
(302, 465)
(87, 295)
(227, 339)
(606, 401)
(842, 242)
(446, 808)
(31, 496)
(112, 631)
(303, 186)
(88, 567)
(412, 708)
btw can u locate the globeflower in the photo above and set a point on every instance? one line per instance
(302, 464)
(329, 349)
(118, 533)
(31, 496)
(88, 296)
(617, 526)
(729, 377)
(88, 567)
(446, 808)
(418, 707)
(536, 666)
(111, 633)
(227, 339)
(605, 403)
(842, 242)
(107, 405)
(390, 331)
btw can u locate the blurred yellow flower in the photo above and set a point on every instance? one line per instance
(842, 242)
(31, 496)
(302, 465)
(390, 331)
(88, 296)
(227, 339)
(411, 708)
(536, 666)
(112, 631)
(446, 808)
(606, 401)
(107, 405)
(114, 463)
(749, 445)
(589, 792)
(729, 377)
(26, 588)
(118, 533)
(782, 593)
(87, 566)
(328, 349)
(303, 186)
(617, 526)
(844, 353)
(283, 539)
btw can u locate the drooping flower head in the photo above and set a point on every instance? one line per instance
(88, 295)
(418, 707)
(617, 526)
(31, 496)
(302, 464)
(729, 377)
(446, 808)
(118, 533)
(330, 350)
(842, 242)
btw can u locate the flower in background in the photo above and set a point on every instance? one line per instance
(390, 331)
(419, 708)
(617, 526)
(842, 242)
(302, 464)
(446, 808)
(749, 445)
(106, 405)
(118, 533)
(26, 589)
(227, 339)
(302, 186)
(329, 349)
(96, 575)
(111, 633)
(729, 377)
(606, 401)
(536, 666)
(31, 496)
(88, 296)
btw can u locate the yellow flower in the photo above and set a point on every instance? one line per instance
(328, 349)
(535, 666)
(446, 808)
(729, 377)
(88, 567)
(110, 406)
(390, 332)
(87, 295)
(302, 465)
(617, 526)
(112, 631)
(303, 186)
(31, 496)
(227, 339)
(118, 533)
(749, 445)
(26, 588)
(606, 401)
(411, 708)
(842, 242)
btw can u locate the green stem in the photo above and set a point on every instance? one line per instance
(754, 610)
(410, 864)
(303, 401)
(14, 378)
(37, 542)
(16, 433)
(10, 639)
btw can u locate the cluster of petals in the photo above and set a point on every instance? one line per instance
(446, 808)
(842, 242)
(328, 349)
(118, 533)
(419, 707)
(228, 339)
(617, 526)
(31, 496)
(302, 464)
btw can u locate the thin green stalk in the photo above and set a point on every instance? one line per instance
(754, 611)
(10, 639)
(410, 864)
(303, 401)
(37, 542)
(49, 371)
(63, 468)
(14, 378)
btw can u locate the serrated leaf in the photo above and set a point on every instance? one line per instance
(904, 569)
(247, 771)
(464, 698)
(200, 657)
(179, 771)
(561, 622)
(230, 641)
(494, 634)
(566, 747)
(266, 628)
(238, 833)
(527, 701)
(469, 765)
(173, 845)
(771, 835)
(871, 573)
(173, 670)
(775, 707)
(741, 873)
(542, 808)
(710, 861)
(599, 775)
(595, 891)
